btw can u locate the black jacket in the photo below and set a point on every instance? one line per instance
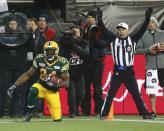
(76, 52)
(96, 51)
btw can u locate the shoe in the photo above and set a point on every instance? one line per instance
(28, 117)
(153, 114)
(148, 116)
(103, 117)
(58, 120)
(72, 115)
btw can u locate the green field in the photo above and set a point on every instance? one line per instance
(119, 123)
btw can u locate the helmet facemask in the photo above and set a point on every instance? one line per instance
(50, 54)
(51, 51)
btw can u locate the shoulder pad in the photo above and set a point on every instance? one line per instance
(39, 56)
(63, 60)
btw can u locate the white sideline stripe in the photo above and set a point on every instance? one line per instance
(141, 121)
(157, 120)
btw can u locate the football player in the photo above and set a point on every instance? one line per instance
(53, 71)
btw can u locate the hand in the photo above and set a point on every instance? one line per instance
(93, 35)
(152, 50)
(148, 12)
(11, 90)
(161, 47)
(99, 13)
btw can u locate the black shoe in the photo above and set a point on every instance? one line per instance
(148, 116)
(28, 117)
(103, 117)
(153, 114)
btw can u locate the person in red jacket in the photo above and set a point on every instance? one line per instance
(45, 32)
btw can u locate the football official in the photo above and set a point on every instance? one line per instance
(123, 48)
(54, 74)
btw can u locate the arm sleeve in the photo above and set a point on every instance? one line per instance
(140, 49)
(109, 34)
(35, 64)
(82, 51)
(65, 66)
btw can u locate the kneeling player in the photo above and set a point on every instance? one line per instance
(53, 71)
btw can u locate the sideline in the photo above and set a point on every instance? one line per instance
(157, 120)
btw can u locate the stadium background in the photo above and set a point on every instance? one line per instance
(130, 11)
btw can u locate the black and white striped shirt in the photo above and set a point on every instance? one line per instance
(123, 51)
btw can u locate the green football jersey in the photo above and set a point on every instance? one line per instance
(47, 69)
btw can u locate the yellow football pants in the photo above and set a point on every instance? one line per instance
(52, 99)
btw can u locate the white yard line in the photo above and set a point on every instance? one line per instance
(157, 120)
(141, 121)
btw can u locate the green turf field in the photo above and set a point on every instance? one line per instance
(119, 123)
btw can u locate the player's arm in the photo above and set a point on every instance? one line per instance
(64, 80)
(22, 79)
(63, 76)
(25, 77)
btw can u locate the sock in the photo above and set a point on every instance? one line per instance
(32, 97)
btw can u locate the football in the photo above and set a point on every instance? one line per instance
(55, 79)
(157, 48)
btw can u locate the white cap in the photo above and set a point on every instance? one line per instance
(154, 20)
(123, 25)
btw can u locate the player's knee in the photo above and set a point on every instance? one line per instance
(34, 91)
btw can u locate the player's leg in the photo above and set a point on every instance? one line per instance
(54, 105)
(35, 91)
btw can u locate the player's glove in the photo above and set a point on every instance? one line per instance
(99, 13)
(10, 91)
(148, 12)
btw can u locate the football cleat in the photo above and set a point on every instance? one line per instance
(28, 117)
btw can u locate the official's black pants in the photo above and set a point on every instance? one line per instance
(128, 78)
